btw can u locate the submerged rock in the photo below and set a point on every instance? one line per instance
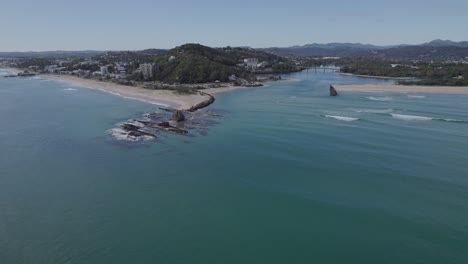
(177, 130)
(178, 116)
(333, 91)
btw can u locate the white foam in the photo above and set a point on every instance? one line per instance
(385, 98)
(411, 117)
(452, 120)
(343, 118)
(134, 122)
(416, 96)
(373, 111)
(123, 135)
(69, 89)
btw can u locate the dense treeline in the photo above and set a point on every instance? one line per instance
(195, 63)
(427, 72)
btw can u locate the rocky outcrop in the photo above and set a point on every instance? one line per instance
(166, 126)
(333, 91)
(134, 131)
(178, 116)
(130, 127)
(203, 104)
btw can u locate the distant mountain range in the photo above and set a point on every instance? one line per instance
(57, 53)
(446, 43)
(433, 49)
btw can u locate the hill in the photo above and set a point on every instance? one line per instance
(434, 50)
(195, 63)
(422, 52)
(446, 43)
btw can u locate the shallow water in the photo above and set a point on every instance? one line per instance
(289, 175)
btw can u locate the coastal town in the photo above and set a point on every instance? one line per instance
(191, 67)
(188, 67)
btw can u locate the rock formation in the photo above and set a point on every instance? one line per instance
(178, 116)
(203, 104)
(135, 131)
(166, 126)
(333, 91)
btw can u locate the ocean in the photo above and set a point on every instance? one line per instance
(285, 174)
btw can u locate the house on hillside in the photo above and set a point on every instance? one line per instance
(251, 63)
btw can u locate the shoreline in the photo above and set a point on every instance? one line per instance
(401, 88)
(165, 98)
(376, 77)
(230, 88)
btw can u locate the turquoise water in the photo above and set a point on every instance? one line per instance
(289, 175)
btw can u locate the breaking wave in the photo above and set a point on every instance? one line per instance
(411, 117)
(425, 118)
(384, 98)
(450, 120)
(343, 118)
(69, 89)
(373, 111)
(416, 96)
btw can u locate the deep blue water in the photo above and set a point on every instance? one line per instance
(289, 175)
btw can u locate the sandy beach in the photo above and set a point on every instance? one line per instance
(161, 97)
(375, 77)
(233, 88)
(401, 88)
(165, 98)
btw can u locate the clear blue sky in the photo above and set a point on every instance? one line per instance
(138, 24)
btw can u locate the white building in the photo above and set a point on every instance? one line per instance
(263, 64)
(104, 70)
(251, 63)
(148, 70)
(50, 68)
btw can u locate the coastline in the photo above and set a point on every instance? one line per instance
(230, 88)
(401, 88)
(376, 77)
(165, 98)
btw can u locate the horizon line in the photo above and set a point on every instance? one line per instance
(240, 46)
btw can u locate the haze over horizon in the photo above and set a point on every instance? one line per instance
(89, 25)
